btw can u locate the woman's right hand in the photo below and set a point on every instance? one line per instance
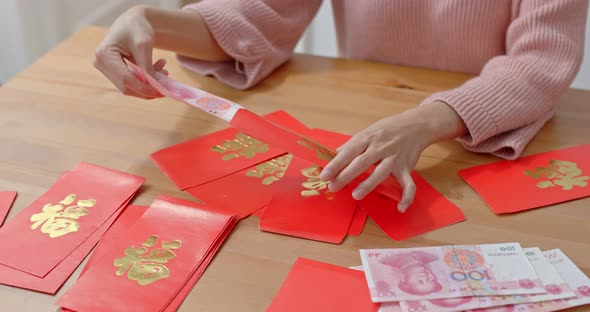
(131, 37)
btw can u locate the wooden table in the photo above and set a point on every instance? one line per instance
(61, 111)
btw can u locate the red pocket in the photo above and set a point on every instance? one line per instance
(331, 139)
(429, 211)
(301, 206)
(6, 200)
(51, 282)
(243, 192)
(318, 286)
(211, 157)
(533, 181)
(59, 221)
(358, 222)
(152, 262)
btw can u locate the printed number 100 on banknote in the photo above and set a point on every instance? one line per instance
(449, 272)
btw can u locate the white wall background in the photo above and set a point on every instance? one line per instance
(32, 27)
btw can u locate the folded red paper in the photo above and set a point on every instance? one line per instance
(429, 211)
(533, 181)
(301, 206)
(318, 286)
(152, 261)
(57, 223)
(6, 200)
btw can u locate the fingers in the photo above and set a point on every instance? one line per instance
(159, 65)
(409, 189)
(381, 172)
(110, 64)
(349, 151)
(142, 54)
(357, 166)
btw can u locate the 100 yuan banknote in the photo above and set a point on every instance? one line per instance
(449, 272)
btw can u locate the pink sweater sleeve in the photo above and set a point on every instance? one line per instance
(515, 94)
(258, 34)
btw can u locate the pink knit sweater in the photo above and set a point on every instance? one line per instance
(525, 52)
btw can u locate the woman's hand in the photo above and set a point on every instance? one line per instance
(138, 31)
(131, 36)
(394, 144)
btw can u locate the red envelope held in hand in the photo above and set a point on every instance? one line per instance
(303, 207)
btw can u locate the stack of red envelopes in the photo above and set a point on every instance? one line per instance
(240, 175)
(45, 242)
(153, 255)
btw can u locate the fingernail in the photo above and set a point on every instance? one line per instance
(326, 175)
(358, 194)
(332, 188)
(401, 207)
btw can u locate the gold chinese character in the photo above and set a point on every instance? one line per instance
(58, 221)
(559, 172)
(314, 184)
(242, 145)
(274, 169)
(321, 152)
(144, 267)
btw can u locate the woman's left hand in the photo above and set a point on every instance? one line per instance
(394, 144)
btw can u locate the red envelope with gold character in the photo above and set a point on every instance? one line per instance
(54, 225)
(317, 286)
(248, 190)
(127, 220)
(429, 211)
(216, 155)
(149, 265)
(245, 191)
(302, 206)
(51, 282)
(532, 181)
(6, 199)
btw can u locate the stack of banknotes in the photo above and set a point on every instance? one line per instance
(492, 277)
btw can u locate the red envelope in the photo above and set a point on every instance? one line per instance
(301, 206)
(358, 222)
(317, 286)
(300, 146)
(57, 277)
(127, 220)
(59, 221)
(248, 190)
(216, 155)
(331, 139)
(335, 140)
(124, 222)
(152, 261)
(533, 181)
(243, 192)
(6, 200)
(186, 289)
(429, 211)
